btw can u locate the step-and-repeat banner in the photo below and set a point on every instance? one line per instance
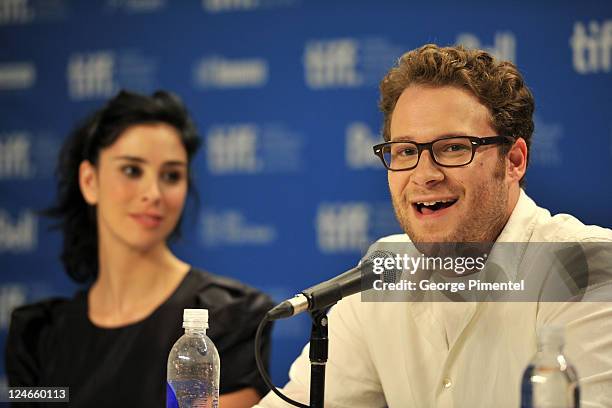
(284, 93)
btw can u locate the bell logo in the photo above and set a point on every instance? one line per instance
(217, 6)
(17, 75)
(591, 47)
(503, 48)
(545, 150)
(219, 72)
(230, 227)
(359, 142)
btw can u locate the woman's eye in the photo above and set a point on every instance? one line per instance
(172, 176)
(131, 171)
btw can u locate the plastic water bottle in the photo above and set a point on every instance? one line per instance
(193, 366)
(550, 381)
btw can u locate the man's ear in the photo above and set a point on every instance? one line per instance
(517, 160)
(88, 182)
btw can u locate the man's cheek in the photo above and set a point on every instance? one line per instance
(397, 183)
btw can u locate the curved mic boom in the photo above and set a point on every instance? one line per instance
(327, 293)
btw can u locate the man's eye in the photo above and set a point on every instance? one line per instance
(406, 151)
(456, 148)
(131, 171)
(172, 176)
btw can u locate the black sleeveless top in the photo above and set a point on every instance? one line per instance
(53, 343)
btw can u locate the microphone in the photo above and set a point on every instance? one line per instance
(327, 293)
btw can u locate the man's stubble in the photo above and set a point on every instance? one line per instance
(488, 207)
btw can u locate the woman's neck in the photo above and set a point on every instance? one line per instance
(132, 283)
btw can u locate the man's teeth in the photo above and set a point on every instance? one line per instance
(430, 203)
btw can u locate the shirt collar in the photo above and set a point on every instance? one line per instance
(514, 237)
(521, 223)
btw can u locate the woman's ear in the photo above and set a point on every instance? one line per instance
(88, 181)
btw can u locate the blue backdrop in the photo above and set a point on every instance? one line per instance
(284, 93)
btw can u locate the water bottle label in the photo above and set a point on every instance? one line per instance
(543, 389)
(191, 394)
(527, 388)
(171, 401)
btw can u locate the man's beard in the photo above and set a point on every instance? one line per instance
(488, 205)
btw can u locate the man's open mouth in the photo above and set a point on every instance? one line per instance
(430, 207)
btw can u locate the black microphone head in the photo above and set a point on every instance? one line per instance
(358, 279)
(378, 256)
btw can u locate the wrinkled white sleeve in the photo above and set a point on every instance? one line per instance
(351, 378)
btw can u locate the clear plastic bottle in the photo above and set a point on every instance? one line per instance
(550, 381)
(193, 366)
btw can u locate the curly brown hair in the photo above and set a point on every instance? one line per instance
(498, 85)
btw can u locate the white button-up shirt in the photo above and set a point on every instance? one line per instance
(460, 354)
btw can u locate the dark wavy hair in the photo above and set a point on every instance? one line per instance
(77, 219)
(498, 85)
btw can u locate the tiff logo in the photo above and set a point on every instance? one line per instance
(503, 48)
(15, 159)
(18, 236)
(591, 47)
(11, 296)
(15, 11)
(91, 75)
(358, 148)
(216, 6)
(332, 63)
(233, 149)
(342, 227)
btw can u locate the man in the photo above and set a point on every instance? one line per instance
(458, 126)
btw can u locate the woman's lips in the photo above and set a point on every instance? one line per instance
(146, 220)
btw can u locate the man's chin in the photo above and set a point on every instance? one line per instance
(427, 231)
(430, 236)
(429, 239)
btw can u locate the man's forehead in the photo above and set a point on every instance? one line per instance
(424, 111)
(411, 138)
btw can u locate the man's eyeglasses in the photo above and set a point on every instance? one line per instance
(453, 151)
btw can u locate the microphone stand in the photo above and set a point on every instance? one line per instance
(318, 357)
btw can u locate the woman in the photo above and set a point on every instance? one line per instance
(123, 180)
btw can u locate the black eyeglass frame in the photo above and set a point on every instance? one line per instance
(474, 140)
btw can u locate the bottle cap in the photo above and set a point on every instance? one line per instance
(195, 318)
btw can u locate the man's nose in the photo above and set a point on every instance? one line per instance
(427, 172)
